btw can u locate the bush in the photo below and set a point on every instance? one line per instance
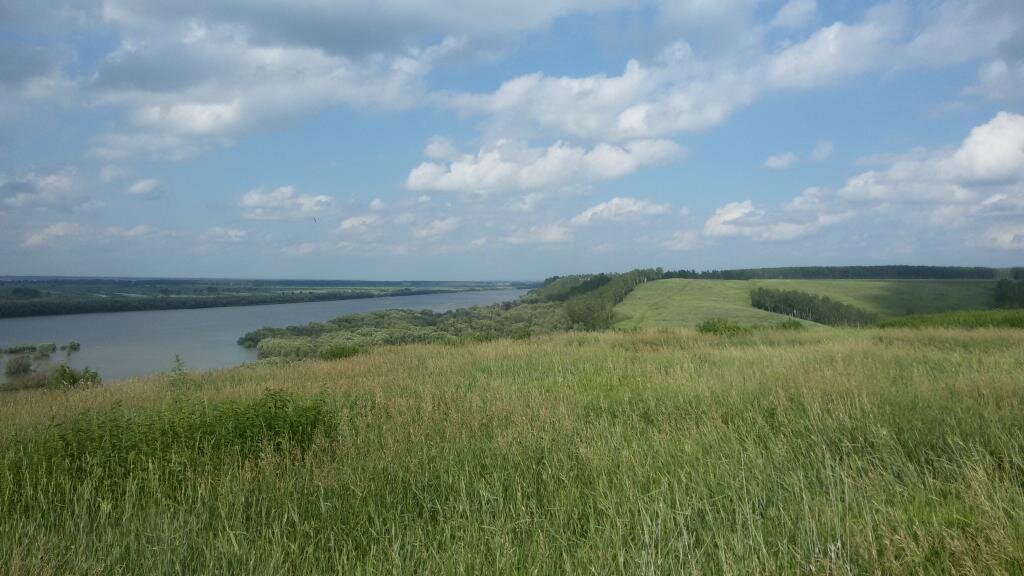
(68, 377)
(791, 324)
(722, 326)
(18, 366)
(339, 350)
(45, 350)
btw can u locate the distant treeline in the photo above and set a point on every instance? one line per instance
(820, 309)
(582, 302)
(1009, 294)
(844, 273)
(47, 307)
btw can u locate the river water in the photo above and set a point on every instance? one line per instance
(124, 344)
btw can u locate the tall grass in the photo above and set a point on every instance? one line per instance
(650, 452)
(963, 319)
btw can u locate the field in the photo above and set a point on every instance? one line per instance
(656, 451)
(685, 303)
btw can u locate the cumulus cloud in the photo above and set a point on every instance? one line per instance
(41, 190)
(436, 228)
(512, 166)
(822, 151)
(683, 241)
(742, 219)
(618, 209)
(201, 84)
(139, 231)
(1006, 237)
(356, 223)
(795, 14)
(991, 155)
(780, 161)
(556, 233)
(681, 91)
(146, 187)
(283, 203)
(46, 235)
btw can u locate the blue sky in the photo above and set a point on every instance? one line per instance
(490, 139)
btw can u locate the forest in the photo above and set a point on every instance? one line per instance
(49, 296)
(820, 309)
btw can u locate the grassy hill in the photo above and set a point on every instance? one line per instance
(678, 302)
(823, 451)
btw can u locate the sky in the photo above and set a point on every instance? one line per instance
(501, 139)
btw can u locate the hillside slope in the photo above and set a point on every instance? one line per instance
(680, 302)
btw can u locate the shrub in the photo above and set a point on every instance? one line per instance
(68, 377)
(790, 324)
(338, 350)
(722, 326)
(45, 350)
(18, 366)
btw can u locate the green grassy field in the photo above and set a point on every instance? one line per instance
(685, 303)
(963, 319)
(822, 451)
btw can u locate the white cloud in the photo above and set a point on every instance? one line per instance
(683, 241)
(838, 51)
(111, 172)
(440, 148)
(780, 161)
(510, 166)
(957, 31)
(41, 190)
(145, 187)
(822, 151)
(991, 155)
(436, 228)
(56, 230)
(542, 234)
(199, 84)
(221, 234)
(356, 223)
(139, 231)
(1002, 80)
(742, 219)
(1006, 237)
(795, 14)
(526, 203)
(283, 204)
(377, 205)
(618, 209)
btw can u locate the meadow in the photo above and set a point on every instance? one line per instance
(686, 303)
(634, 452)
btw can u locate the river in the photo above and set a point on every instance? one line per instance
(125, 344)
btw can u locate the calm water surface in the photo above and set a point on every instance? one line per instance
(125, 344)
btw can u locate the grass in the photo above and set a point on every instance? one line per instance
(963, 319)
(686, 303)
(666, 451)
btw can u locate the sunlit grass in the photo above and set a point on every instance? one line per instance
(686, 303)
(821, 451)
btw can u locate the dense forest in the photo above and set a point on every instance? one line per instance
(1009, 294)
(820, 309)
(39, 296)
